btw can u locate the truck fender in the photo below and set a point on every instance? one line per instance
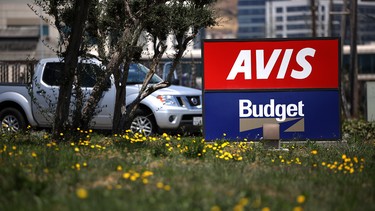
(148, 101)
(21, 101)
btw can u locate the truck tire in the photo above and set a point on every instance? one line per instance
(143, 123)
(12, 120)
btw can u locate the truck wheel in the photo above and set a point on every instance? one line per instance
(143, 123)
(12, 120)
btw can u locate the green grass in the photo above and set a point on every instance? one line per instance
(131, 172)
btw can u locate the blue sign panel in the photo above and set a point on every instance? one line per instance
(300, 115)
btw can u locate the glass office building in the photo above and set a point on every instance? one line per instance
(251, 19)
(293, 19)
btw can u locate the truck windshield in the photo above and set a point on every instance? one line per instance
(137, 74)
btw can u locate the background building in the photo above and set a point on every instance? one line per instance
(23, 34)
(227, 21)
(293, 19)
(251, 19)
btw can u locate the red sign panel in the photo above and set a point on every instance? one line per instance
(271, 64)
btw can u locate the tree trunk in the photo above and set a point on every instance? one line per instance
(71, 59)
(120, 105)
(89, 109)
(145, 90)
(78, 102)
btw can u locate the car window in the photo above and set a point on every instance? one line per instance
(137, 74)
(52, 73)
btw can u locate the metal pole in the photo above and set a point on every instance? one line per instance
(344, 13)
(313, 18)
(41, 34)
(354, 60)
(330, 19)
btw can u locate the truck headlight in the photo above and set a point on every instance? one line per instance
(168, 100)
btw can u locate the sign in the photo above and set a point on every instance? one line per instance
(271, 64)
(300, 114)
(290, 83)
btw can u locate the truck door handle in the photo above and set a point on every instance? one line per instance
(41, 92)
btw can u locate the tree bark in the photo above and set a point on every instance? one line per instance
(61, 123)
(145, 90)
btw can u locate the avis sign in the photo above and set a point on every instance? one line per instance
(291, 83)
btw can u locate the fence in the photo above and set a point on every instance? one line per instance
(16, 72)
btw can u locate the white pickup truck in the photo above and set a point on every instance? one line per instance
(170, 108)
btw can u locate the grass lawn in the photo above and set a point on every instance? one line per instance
(132, 172)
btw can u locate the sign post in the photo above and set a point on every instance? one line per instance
(273, 88)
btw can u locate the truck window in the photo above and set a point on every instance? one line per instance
(137, 74)
(52, 73)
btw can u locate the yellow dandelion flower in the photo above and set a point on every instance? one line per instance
(266, 209)
(351, 170)
(119, 168)
(301, 199)
(133, 177)
(297, 208)
(215, 208)
(33, 154)
(243, 201)
(343, 156)
(126, 175)
(314, 152)
(147, 173)
(82, 193)
(238, 208)
(340, 167)
(159, 185)
(167, 187)
(76, 149)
